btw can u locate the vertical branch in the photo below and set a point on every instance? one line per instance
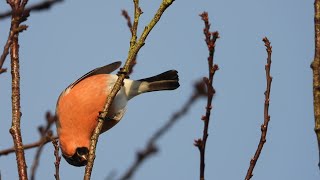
(264, 126)
(315, 65)
(133, 30)
(58, 158)
(122, 74)
(45, 135)
(18, 16)
(210, 39)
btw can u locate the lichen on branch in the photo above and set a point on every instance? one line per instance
(122, 74)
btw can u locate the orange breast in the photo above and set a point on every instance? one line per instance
(78, 110)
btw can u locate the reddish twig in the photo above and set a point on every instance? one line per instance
(45, 135)
(210, 39)
(27, 146)
(264, 126)
(5, 52)
(151, 148)
(58, 158)
(18, 16)
(128, 18)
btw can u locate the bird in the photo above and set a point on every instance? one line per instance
(79, 105)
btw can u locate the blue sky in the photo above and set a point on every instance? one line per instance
(74, 37)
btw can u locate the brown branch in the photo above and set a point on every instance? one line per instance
(264, 126)
(27, 146)
(210, 39)
(133, 29)
(128, 18)
(44, 5)
(134, 49)
(151, 147)
(18, 16)
(5, 52)
(58, 158)
(45, 135)
(315, 65)
(8, 44)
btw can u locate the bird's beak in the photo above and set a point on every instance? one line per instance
(83, 158)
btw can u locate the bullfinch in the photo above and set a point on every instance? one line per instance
(78, 106)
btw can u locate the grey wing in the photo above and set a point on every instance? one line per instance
(100, 70)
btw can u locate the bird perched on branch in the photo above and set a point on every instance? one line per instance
(79, 105)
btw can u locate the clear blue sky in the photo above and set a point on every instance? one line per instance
(74, 37)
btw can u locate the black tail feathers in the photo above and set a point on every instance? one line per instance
(168, 80)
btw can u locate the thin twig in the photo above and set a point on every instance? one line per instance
(123, 73)
(45, 135)
(27, 146)
(44, 5)
(264, 126)
(151, 147)
(210, 39)
(128, 18)
(18, 16)
(5, 52)
(58, 158)
(315, 65)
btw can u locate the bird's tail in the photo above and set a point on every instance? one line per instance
(168, 80)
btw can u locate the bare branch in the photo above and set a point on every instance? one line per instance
(5, 52)
(27, 146)
(18, 16)
(210, 39)
(44, 5)
(123, 73)
(315, 65)
(127, 17)
(264, 126)
(45, 135)
(58, 158)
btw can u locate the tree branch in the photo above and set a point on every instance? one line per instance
(44, 5)
(27, 146)
(5, 52)
(121, 76)
(18, 16)
(45, 135)
(315, 65)
(264, 126)
(58, 158)
(210, 39)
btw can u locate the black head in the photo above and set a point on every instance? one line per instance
(80, 157)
